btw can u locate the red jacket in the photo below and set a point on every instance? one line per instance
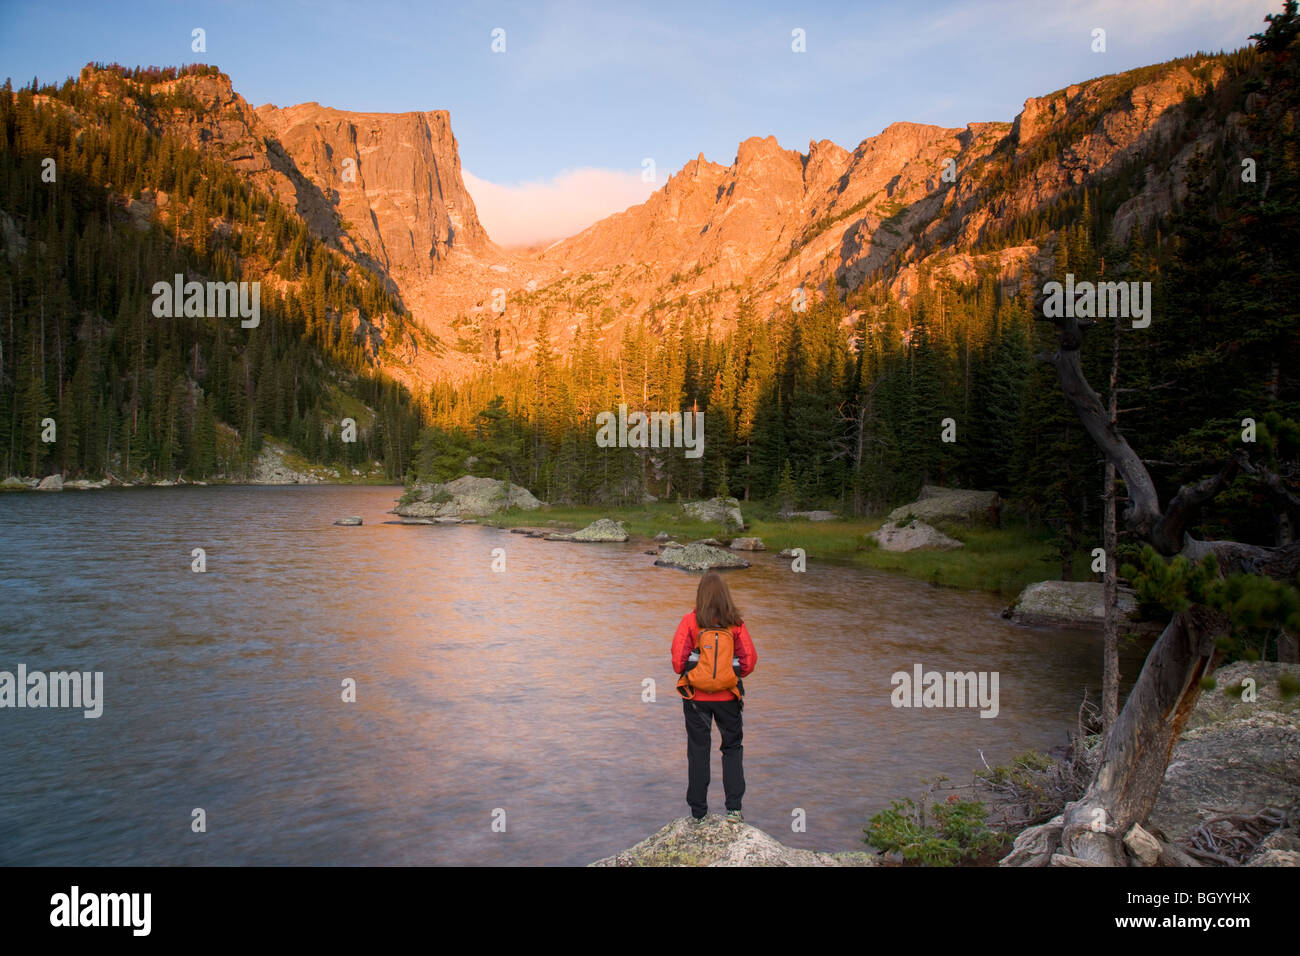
(684, 643)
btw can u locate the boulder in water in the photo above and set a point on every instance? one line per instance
(699, 557)
(465, 497)
(350, 522)
(1069, 604)
(51, 483)
(600, 530)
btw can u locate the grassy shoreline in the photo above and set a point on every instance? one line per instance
(1000, 560)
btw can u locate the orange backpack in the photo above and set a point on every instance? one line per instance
(712, 667)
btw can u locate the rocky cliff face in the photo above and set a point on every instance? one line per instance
(386, 190)
(394, 180)
(393, 177)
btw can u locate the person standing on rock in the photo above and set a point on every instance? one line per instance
(711, 653)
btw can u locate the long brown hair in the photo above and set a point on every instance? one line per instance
(713, 604)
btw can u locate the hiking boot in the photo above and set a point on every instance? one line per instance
(735, 816)
(697, 821)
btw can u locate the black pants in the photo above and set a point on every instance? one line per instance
(699, 717)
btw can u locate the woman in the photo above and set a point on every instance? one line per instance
(711, 651)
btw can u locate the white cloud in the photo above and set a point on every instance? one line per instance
(521, 213)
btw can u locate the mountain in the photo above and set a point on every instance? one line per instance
(374, 262)
(829, 220)
(385, 190)
(913, 198)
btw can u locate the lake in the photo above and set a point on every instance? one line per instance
(480, 695)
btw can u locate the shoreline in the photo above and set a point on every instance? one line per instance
(87, 484)
(1001, 560)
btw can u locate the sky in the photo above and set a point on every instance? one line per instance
(584, 108)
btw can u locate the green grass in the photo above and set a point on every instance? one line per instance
(1002, 560)
(349, 406)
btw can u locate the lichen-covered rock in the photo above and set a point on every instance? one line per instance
(350, 522)
(715, 842)
(1235, 755)
(1069, 604)
(1274, 858)
(811, 515)
(467, 496)
(602, 529)
(51, 483)
(954, 505)
(699, 557)
(723, 511)
(914, 536)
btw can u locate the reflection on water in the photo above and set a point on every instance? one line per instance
(476, 690)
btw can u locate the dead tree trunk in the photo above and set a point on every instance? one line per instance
(1110, 598)
(1136, 750)
(1110, 589)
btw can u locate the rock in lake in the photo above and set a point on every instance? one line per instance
(350, 522)
(699, 557)
(748, 544)
(467, 496)
(715, 842)
(914, 536)
(955, 505)
(600, 530)
(51, 483)
(723, 511)
(1068, 604)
